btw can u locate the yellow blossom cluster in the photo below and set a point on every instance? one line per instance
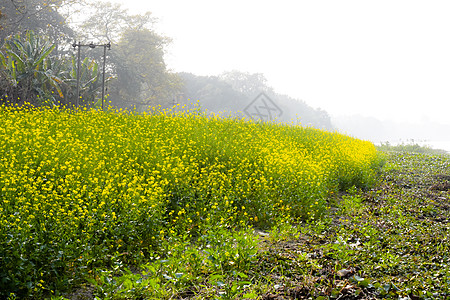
(77, 186)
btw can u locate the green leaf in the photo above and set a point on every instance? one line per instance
(364, 283)
(242, 283)
(13, 72)
(92, 281)
(55, 81)
(19, 60)
(73, 72)
(3, 60)
(215, 277)
(94, 69)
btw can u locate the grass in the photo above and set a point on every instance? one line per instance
(387, 242)
(410, 147)
(158, 205)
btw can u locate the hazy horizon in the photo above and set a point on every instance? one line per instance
(387, 60)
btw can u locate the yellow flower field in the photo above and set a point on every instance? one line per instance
(78, 188)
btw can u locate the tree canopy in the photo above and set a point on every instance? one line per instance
(136, 71)
(41, 16)
(105, 21)
(142, 76)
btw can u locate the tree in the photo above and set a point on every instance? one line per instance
(136, 64)
(247, 83)
(142, 77)
(41, 16)
(299, 112)
(294, 110)
(213, 94)
(136, 61)
(106, 22)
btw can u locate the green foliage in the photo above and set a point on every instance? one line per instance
(90, 81)
(214, 94)
(30, 73)
(177, 191)
(40, 16)
(389, 242)
(136, 62)
(25, 65)
(410, 147)
(142, 78)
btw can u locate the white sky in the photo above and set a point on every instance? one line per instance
(383, 58)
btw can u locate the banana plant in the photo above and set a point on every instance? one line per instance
(30, 73)
(27, 70)
(90, 81)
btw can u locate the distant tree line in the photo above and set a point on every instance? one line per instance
(39, 65)
(229, 94)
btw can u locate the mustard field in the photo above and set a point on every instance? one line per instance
(83, 192)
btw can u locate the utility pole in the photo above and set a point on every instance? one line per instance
(92, 46)
(78, 72)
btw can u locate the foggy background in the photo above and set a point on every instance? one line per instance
(381, 69)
